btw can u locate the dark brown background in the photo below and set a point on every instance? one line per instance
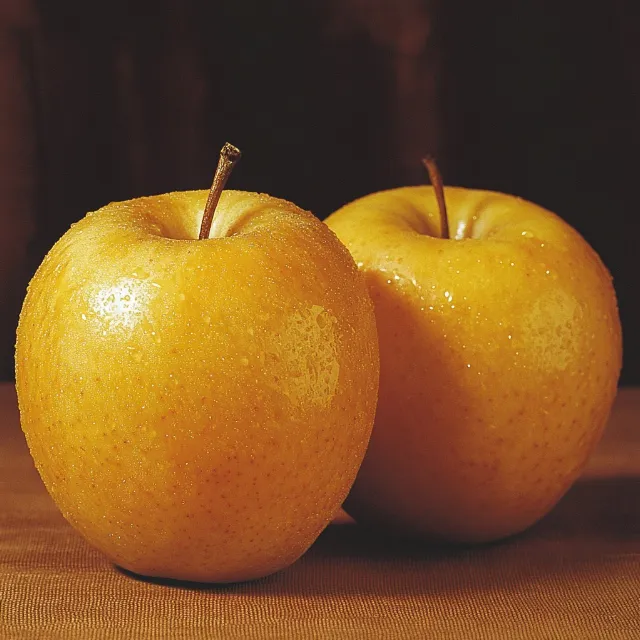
(328, 100)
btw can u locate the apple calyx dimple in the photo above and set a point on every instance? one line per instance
(229, 156)
(436, 180)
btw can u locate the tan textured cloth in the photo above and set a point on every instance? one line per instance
(575, 575)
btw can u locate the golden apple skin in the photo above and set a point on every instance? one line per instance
(500, 352)
(198, 409)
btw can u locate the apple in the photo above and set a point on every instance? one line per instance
(198, 401)
(500, 351)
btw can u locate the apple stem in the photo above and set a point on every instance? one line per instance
(229, 155)
(436, 180)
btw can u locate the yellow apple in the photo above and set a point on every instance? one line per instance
(500, 351)
(198, 408)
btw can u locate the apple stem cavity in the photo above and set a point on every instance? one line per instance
(229, 155)
(436, 180)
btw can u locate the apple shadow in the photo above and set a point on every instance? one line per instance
(597, 521)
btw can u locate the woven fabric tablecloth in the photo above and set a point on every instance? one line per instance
(574, 575)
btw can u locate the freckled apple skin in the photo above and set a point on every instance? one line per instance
(198, 409)
(500, 352)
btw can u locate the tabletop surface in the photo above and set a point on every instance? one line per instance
(576, 574)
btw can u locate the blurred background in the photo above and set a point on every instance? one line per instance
(329, 100)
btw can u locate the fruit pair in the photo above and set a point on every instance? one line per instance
(199, 408)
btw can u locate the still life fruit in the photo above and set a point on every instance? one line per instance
(204, 378)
